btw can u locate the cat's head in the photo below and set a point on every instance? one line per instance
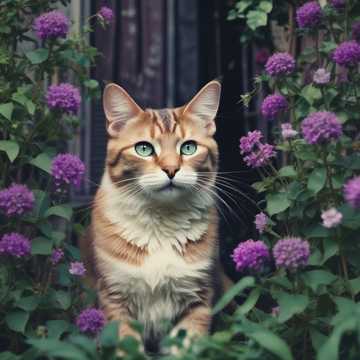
(165, 154)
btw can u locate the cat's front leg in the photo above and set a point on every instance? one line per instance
(116, 310)
(196, 321)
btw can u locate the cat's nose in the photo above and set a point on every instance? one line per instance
(170, 171)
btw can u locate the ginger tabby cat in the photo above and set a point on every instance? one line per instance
(152, 246)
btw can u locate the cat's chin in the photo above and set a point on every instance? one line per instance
(169, 193)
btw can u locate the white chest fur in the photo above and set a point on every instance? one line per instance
(159, 289)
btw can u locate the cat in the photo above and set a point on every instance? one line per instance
(152, 246)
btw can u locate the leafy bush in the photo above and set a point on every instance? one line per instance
(297, 297)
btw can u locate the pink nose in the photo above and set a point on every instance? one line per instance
(170, 171)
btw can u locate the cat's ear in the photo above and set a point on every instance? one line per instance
(119, 108)
(204, 106)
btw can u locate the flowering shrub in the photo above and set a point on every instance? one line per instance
(304, 302)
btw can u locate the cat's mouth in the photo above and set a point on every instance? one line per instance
(170, 186)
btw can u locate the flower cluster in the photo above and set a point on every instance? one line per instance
(338, 4)
(257, 153)
(261, 221)
(280, 64)
(273, 105)
(347, 54)
(67, 169)
(291, 253)
(352, 192)
(56, 256)
(51, 25)
(64, 97)
(16, 200)
(309, 15)
(15, 244)
(331, 218)
(106, 14)
(287, 131)
(77, 268)
(250, 255)
(90, 321)
(320, 127)
(321, 76)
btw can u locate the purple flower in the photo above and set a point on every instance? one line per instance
(261, 156)
(77, 268)
(352, 192)
(64, 97)
(56, 256)
(291, 253)
(309, 15)
(262, 56)
(106, 13)
(338, 4)
(347, 54)
(51, 25)
(67, 169)
(15, 244)
(280, 64)
(287, 131)
(16, 200)
(331, 218)
(321, 76)
(273, 105)
(248, 142)
(250, 255)
(261, 221)
(356, 31)
(321, 127)
(91, 321)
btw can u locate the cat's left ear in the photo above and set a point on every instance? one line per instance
(204, 106)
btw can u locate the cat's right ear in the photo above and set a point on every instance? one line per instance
(119, 108)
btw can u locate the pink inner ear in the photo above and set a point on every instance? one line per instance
(116, 126)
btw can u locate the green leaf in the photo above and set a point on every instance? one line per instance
(244, 283)
(330, 349)
(351, 217)
(311, 93)
(58, 349)
(250, 302)
(290, 305)
(109, 336)
(256, 19)
(355, 285)
(317, 179)
(41, 246)
(277, 203)
(242, 5)
(55, 328)
(31, 107)
(272, 343)
(266, 6)
(63, 298)
(91, 84)
(37, 56)
(43, 162)
(65, 211)
(6, 110)
(331, 248)
(287, 171)
(17, 320)
(11, 148)
(316, 278)
(28, 303)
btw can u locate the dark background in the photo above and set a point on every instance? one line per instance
(162, 52)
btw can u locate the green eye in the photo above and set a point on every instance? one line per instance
(144, 148)
(188, 148)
